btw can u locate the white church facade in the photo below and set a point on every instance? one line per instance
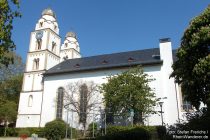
(51, 65)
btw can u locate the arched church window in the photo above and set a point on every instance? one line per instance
(83, 103)
(39, 43)
(55, 27)
(66, 44)
(60, 95)
(53, 46)
(40, 24)
(36, 64)
(30, 101)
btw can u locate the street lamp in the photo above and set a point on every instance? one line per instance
(68, 109)
(161, 111)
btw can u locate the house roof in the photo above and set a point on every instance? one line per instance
(107, 61)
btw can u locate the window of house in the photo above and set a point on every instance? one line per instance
(83, 103)
(30, 101)
(53, 46)
(55, 27)
(186, 105)
(66, 44)
(39, 44)
(60, 95)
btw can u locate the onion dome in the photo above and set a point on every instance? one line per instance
(71, 34)
(49, 12)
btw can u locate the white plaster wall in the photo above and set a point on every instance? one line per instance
(71, 43)
(32, 46)
(64, 53)
(37, 84)
(30, 60)
(27, 82)
(54, 37)
(48, 22)
(71, 53)
(27, 121)
(52, 83)
(182, 113)
(75, 54)
(52, 60)
(23, 103)
(170, 107)
(29, 116)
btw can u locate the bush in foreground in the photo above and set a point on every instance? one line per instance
(16, 132)
(126, 133)
(55, 130)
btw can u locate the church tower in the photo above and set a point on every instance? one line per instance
(44, 53)
(70, 48)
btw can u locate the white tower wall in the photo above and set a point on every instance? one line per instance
(44, 53)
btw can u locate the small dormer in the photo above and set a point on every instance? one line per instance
(48, 20)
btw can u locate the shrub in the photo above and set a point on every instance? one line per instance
(74, 133)
(125, 133)
(55, 130)
(161, 130)
(115, 129)
(1, 131)
(90, 130)
(24, 132)
(12, 132)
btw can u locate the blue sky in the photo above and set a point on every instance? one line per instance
(108, 26)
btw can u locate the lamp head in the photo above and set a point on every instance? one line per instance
(160, 103)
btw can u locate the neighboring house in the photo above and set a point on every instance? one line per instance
(50, 66)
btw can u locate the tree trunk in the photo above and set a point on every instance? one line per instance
(5, 128)
(84, 132)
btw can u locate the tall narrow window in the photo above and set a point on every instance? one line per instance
(30, 101)
(40, 24)
(83, 103)
(53, 46)
(60, 103)
(36, 64)
(186, 105)
(39, 44)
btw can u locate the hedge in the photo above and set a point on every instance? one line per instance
(126, 133)
(16, 132)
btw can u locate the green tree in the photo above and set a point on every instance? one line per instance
(9, 97)
(130, 90)
(8, 113)
(7, 14)
(11, 88)
(192, 69)
(11, 70)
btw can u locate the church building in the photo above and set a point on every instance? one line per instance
(52, 64)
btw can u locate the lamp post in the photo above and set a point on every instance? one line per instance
(67, 123)
(161, 111)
